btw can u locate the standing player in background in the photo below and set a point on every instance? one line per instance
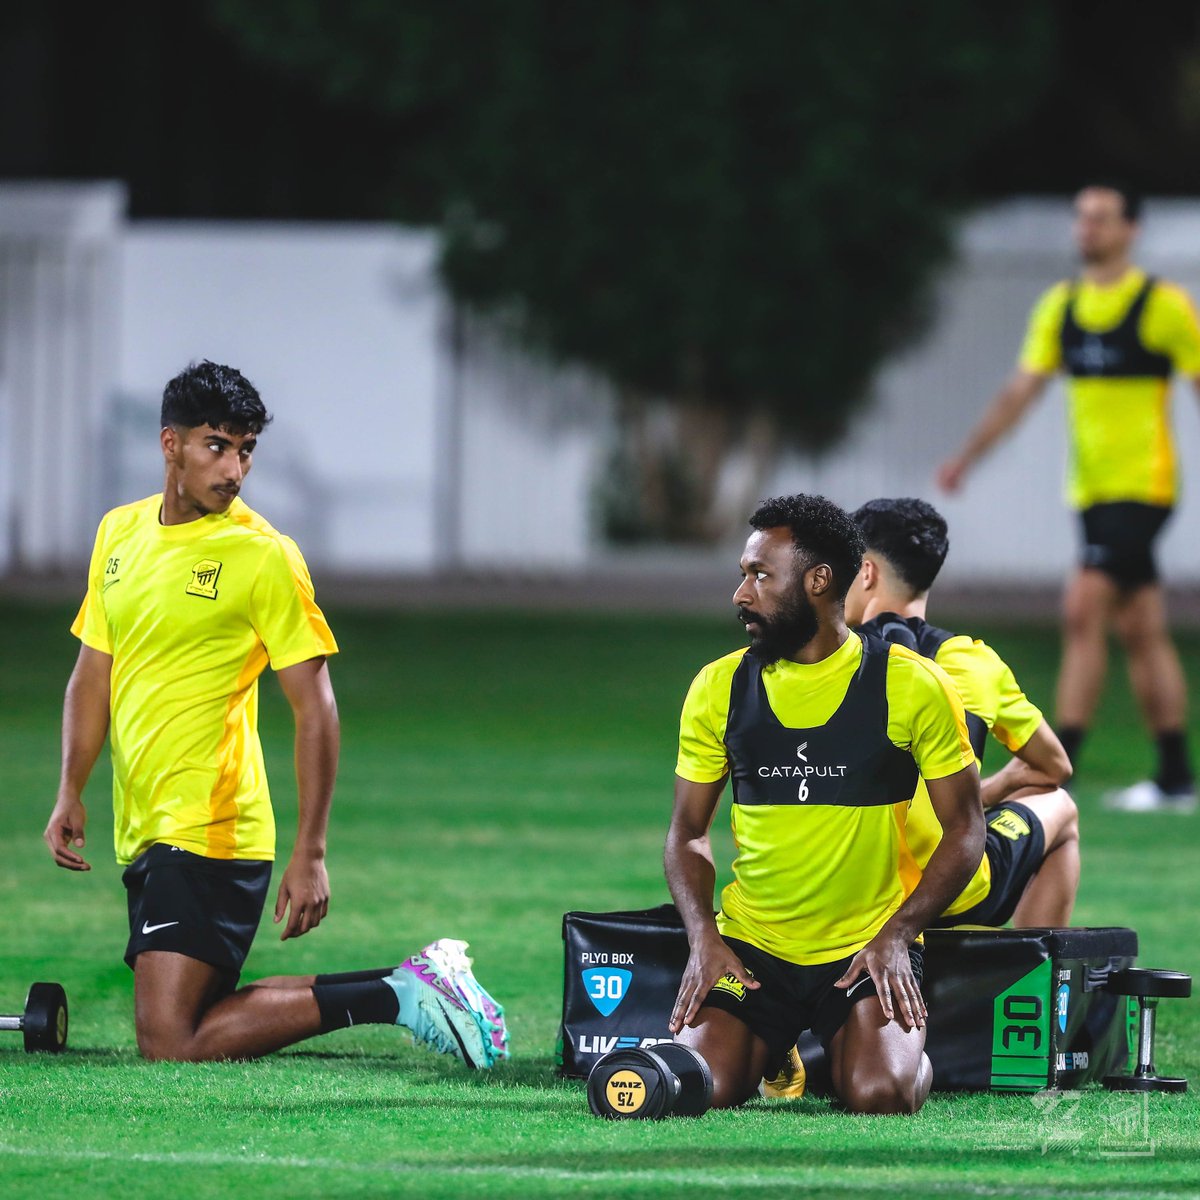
(190, 596)
(1029, 873)
(824, 734)
(1118, 335)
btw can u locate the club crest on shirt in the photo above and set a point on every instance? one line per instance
(204, 579)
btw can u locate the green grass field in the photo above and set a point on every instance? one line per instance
(497, 771)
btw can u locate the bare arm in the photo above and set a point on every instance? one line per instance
(692, 877)
(1006, 408)
(955, 801)
(1040, 763)
(305, 882)
(84, 728)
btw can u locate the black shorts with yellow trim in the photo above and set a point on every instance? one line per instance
(793, 997)
(1118, 539)
(205, 908)
(1016, 845)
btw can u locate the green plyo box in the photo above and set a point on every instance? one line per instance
(1026, 1009)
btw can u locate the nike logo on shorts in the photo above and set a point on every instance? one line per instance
(148, 928)
(851, 989)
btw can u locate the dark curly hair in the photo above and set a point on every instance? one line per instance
(1131, 200)
(910, 534)
(208, 393)
(821, 532)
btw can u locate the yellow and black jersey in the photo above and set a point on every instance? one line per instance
(818, 868)
(994, 703)
(191, 615)
(1118, 344)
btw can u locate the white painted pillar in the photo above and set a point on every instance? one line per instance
(59, 296)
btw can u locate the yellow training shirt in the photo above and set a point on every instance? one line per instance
(191, 615)
(1121, 443)
(814, 883)
(988, 689)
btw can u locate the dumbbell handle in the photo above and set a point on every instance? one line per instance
(17, 1023)
(1145, 1051)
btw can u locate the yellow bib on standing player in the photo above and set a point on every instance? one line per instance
(1122, 447)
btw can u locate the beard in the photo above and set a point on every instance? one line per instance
(789, 631)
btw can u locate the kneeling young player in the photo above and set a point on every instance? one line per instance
(190, 596)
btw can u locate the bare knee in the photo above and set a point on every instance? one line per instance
(1070, 824)
(160, 1045)
(1138, 638)
(1057, 812)
(1141, 621)
(736, 1058)
(732, 1084)
(881, 1092)
(1083, 620)
(168, 1041)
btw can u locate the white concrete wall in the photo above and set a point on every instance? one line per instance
(394, 447)
(532, 439)
(337, 327)
(58, 263)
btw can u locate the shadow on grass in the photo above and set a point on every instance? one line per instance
(539, 1073)
(498, 1099)
(65, 1058)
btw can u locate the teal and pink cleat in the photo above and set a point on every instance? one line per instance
(444, 1005)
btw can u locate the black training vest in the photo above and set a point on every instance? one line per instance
(1116, 354)
(926, 640)
(848, 761)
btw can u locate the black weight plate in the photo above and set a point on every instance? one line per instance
(45, 1022)
(1144, 1083)
(695, 1079)
(630, 1085)
(1140, 981)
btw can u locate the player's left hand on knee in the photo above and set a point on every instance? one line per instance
(885, 959)
(303, 896)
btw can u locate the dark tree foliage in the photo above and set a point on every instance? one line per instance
(1122, 99)
(739, 207)
(152, 94)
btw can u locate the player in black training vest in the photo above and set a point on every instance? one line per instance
(823, 734)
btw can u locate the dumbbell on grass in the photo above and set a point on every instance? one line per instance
(660, 1081)
(1147, 987)
(44, 1021)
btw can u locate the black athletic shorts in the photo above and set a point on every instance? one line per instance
(1118, 539)
(206, 908)
(793, 997)
(1016, 845)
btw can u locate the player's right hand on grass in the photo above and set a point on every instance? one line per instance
(708, 961)
(64, 833)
